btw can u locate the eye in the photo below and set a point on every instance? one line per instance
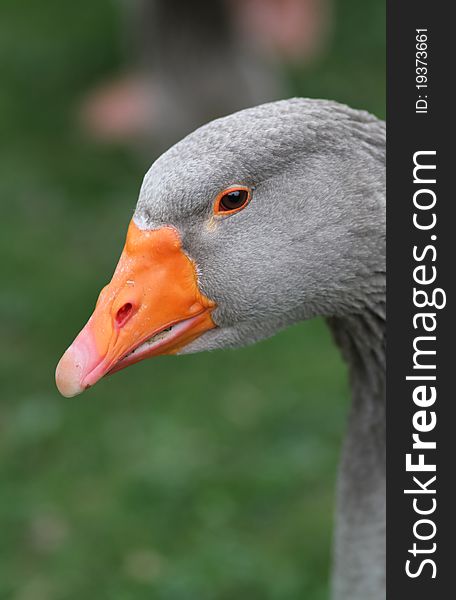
(232, 200)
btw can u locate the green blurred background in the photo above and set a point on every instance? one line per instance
(201, 477)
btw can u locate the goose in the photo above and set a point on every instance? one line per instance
(251, 223)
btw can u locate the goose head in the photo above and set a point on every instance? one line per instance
(253, 222)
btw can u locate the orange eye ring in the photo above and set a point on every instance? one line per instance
(232, 200)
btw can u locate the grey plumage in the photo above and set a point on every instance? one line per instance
(311, 242)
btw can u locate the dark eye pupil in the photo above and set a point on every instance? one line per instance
(233, 200)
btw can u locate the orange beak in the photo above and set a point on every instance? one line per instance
(152, 306)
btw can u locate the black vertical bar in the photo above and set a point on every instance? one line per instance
(410, 132)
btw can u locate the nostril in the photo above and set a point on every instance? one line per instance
(123, 314)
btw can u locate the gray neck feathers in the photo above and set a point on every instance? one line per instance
(359, 544)
(361, 339)
(360, 540)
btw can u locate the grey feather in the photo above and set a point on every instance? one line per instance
(311, 242)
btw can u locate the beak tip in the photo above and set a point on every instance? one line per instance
(68, 375)
(78, 363)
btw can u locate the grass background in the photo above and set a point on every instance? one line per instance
(201, 477)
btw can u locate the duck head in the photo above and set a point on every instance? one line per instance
(255, 221)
